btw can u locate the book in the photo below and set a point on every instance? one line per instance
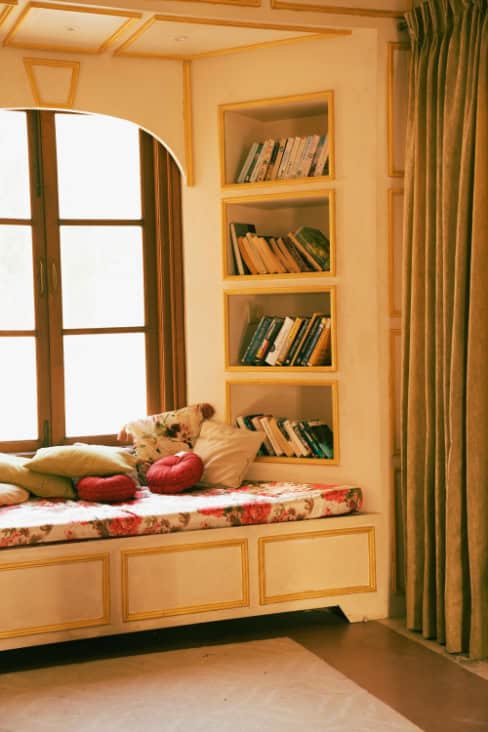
(302, 331)
(314, 263)
(297, 157)
(303, 336)
(316, 156)
(245, 254)
(286, 156)
(247, 162)
(268, 339)
(322, 164)
(299, 439)
(237, 230)
(301, 261)
(310, 342)
(276, 447)
(255, 254)
(273, 244)
(320, 354)
(273, 171)
(258, 334)
(291, 158)
(257, 153)
(281, 439)
(283, 352)
(272, 355)
(308, 155)
(262, 163)
(290, 263)
(316, 243)
(316, 325)
(308, 436)
(271, 262)
(266, 446)
(280, 421)
(324, 436)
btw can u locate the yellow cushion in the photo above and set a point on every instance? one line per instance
(10, 494)
(76, 461)
(13, 470)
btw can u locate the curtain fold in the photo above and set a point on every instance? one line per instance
(445, 326)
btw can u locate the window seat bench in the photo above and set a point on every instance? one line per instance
(75, 569)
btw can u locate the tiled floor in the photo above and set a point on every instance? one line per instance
(423, 686)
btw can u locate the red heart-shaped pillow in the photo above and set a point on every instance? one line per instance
(174, 473)
(106, 489)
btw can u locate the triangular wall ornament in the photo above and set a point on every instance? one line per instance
(53, 83)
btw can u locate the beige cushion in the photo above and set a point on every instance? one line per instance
(76, 461)
(226, 452)
(11, 494)
(13, 470)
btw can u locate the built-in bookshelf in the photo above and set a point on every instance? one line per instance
(272, 140)
(276, 216)
(245, 310)
(289, 402)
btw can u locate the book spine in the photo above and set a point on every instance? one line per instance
(272, 160)
(254, 161)
(266, 447)
(291, 159)
(285, 157)
(272, 355)
(324, 436)
(318, 356)
(288, 341)
(238, 263)
(265, 160)
(311, 341)
(290, 449)
(323, 159)
(308, 156)
(305, 253)
(302, 263)
(298, 157)
(279, 156)
(271, 333)
(271, 437)
(247, 163)
(252, 346)
(297, 445)
(316, 156)
(316, 449)
(316, 244)
(306, 449)
(290, 357)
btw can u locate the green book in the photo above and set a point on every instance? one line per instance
(316, 244)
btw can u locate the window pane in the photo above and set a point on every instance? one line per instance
(18, 389)
(105, 381)
(16, 278)
(14, 166)
(102, 274)
(98, 167)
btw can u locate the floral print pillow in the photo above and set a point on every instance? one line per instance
(164, 434)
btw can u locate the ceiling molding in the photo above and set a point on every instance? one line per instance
(312, 32)
(128, 16)
(241, 3)
(339, 9)
(68, 101)
(9, 5)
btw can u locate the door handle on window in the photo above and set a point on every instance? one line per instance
(42, 278)
(54, 278)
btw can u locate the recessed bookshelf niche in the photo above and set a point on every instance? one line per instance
(244, 310)
(275, 216)
(299, 116)
(295, 401)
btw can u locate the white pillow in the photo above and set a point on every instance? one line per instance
(11, 494)
(226, 452)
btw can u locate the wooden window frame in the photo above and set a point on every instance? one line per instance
(163, 328)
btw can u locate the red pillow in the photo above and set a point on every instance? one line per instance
(174, 473)
(109, 488)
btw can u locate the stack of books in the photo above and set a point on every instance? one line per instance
(305, 250)
(289, 157)
(288, 341)
(304, 438)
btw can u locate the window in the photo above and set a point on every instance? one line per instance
(91, 301)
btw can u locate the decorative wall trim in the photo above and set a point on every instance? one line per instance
(188, 121)
(128, 616)
(395, 334)
(394, 254)
(337, 9)
(243, 3)
(30, 63)
(394, 171)
(315, 32)
(129, 16)
(104, 619)
(265, 599)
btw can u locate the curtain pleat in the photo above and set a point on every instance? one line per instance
(445, 326)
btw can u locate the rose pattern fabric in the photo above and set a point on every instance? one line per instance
(40, 521)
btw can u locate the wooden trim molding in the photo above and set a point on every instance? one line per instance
(393, 170)
(188, 121)
(9, 6)
(30, 63)
(337, 9)
(394, 253)
(395, 333)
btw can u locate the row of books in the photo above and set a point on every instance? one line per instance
(305, 250)
(288, 341)
(310, 438)
(288, 157)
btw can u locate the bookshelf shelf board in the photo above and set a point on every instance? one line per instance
(243, 123)
(290, 398)
(243, 308)
(241, 187)
(276, 215)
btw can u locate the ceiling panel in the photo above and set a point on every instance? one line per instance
(70, 28)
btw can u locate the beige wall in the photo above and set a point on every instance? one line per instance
(354, 67)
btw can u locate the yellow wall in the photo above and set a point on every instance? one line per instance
(150, 93)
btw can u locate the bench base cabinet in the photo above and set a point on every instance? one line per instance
(86, 589)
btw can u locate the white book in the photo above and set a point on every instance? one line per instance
(298, 158)
(235, 249)
(259, 161)
(247, 162)
(271, 437)
(286, 156)
(322, 159)
(272, 355)
(291, 159)
(308, 156)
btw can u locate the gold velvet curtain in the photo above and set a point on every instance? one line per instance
(445, 326)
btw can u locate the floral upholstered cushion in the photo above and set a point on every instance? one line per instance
(42, 521)
(164, 434)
